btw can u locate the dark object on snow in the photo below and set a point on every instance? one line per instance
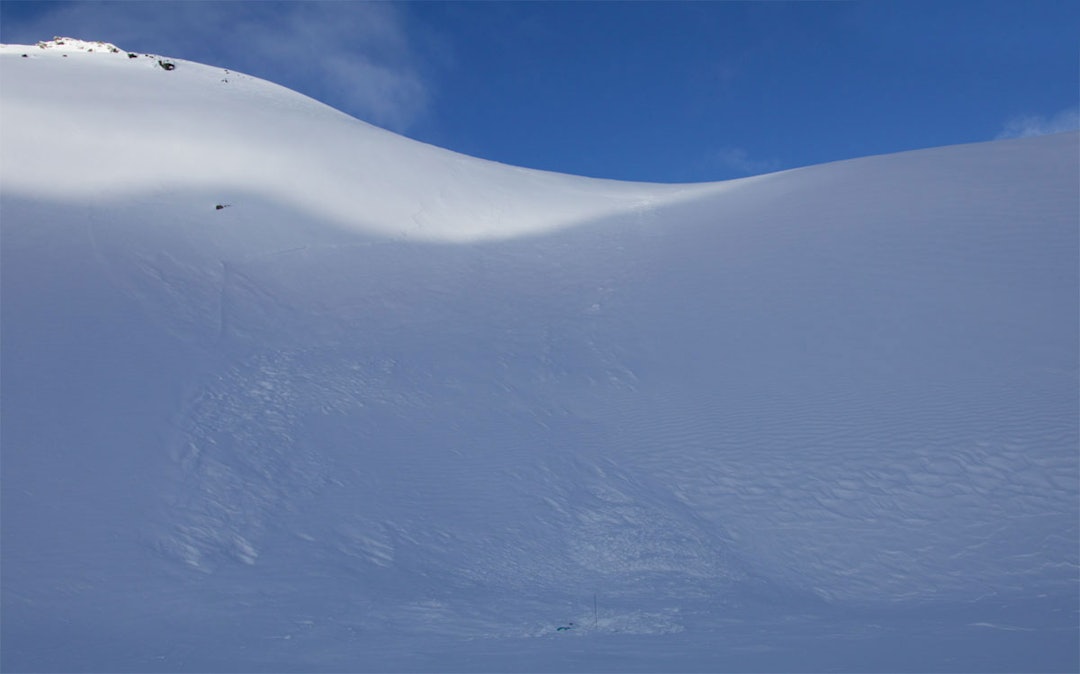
(221, 206)
(24, 55)
(132, 55)
(563, 628)
(167, 65)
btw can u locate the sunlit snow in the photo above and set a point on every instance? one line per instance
(283, 391)
(212, 131)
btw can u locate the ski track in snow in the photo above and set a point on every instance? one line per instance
(435, 397)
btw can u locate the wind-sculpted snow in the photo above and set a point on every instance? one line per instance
(818, 420)
(228, 134)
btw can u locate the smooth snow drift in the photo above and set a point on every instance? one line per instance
(285, 391)
(227, 134)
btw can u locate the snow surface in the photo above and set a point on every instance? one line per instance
(395, 408)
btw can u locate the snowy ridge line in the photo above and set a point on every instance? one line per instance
(65, 46)
(400, 188)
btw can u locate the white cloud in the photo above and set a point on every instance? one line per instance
(1038, 125)
(356, 56)
(737, 160)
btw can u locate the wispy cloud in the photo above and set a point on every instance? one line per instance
(1038, 125)
(356, 56)
(738, 161)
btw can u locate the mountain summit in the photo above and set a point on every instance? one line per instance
(286, 391)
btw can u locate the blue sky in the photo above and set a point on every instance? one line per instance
(662, 91)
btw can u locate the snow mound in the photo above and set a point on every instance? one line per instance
(356, 176)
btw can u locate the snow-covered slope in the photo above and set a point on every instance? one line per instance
(224, 135)
(283, 390)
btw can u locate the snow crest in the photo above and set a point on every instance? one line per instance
(355, 176)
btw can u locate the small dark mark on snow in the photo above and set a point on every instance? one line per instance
(132, 55)
(221, 206)
(167, 65)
